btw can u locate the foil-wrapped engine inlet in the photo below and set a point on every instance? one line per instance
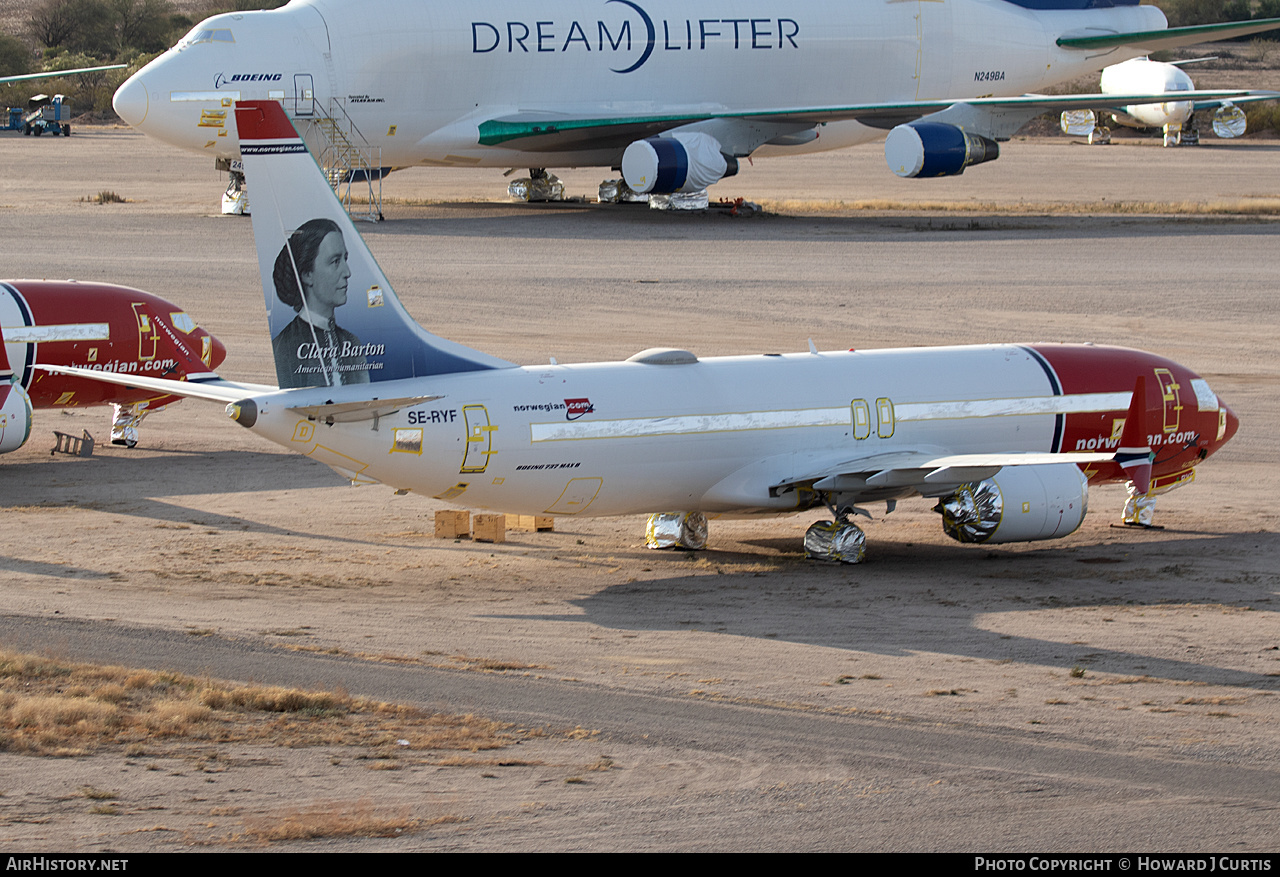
(973, 512)
(676, 530)
(836, 541)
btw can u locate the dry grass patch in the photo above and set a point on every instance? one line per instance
(492, 665)
(62, 708)
(336, 819)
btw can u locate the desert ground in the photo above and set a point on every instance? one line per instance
(1113, 690)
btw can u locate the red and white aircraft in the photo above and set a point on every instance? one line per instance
(91, 326)
(1005, 437)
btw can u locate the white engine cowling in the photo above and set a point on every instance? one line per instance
(15, 419)
(681, 162)
(935, 149)
(1018, 504)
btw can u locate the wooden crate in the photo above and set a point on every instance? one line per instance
(489, 528)
(531, 523)
(453, 524)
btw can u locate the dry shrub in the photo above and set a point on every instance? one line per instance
(112, 693)
(334, 819)
(44, 710)
(268, 699)
(120, 706)
(175, 717)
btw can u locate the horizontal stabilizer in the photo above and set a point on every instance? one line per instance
(210, 389)
(364, 409)
(1169, 38)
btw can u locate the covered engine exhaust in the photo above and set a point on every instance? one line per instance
(682, 162)
(935, 149)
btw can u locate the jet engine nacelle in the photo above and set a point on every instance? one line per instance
(15, 419)
(935, 149)
(1018, 504)
(681, 162)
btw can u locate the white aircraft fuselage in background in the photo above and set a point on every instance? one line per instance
(420, 79)
(1141, 74)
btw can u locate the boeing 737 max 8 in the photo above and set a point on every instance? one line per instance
(1005, 437)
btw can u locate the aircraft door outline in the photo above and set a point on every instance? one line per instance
(479, 441)
(886, 420)
(304, 93)
(861, 414)
(148, 334)
(578, 493)
(1169, 395)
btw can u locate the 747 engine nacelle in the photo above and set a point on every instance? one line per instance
(1017, 504)
(682, 162)
(935, 149)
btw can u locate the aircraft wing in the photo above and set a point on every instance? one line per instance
(1247, 99)
(926, 472)
(53, 74)
(552, 132)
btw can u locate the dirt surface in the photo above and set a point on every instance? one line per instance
(1112, 690)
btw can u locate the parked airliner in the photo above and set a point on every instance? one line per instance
(1005, 437)
(1170, 117)
(673, 95)
(93, 326)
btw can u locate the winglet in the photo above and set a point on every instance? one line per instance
(1135, 455)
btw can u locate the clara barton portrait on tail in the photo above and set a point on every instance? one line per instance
(311, 276)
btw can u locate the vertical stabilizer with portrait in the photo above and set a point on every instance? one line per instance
(334, 319)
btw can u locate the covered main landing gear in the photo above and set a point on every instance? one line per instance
(687, 530)
(838, 540)
(538, 186)
(235, 200)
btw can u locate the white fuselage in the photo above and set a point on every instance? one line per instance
(417, 78)
(713, 435)
(1142, 75)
